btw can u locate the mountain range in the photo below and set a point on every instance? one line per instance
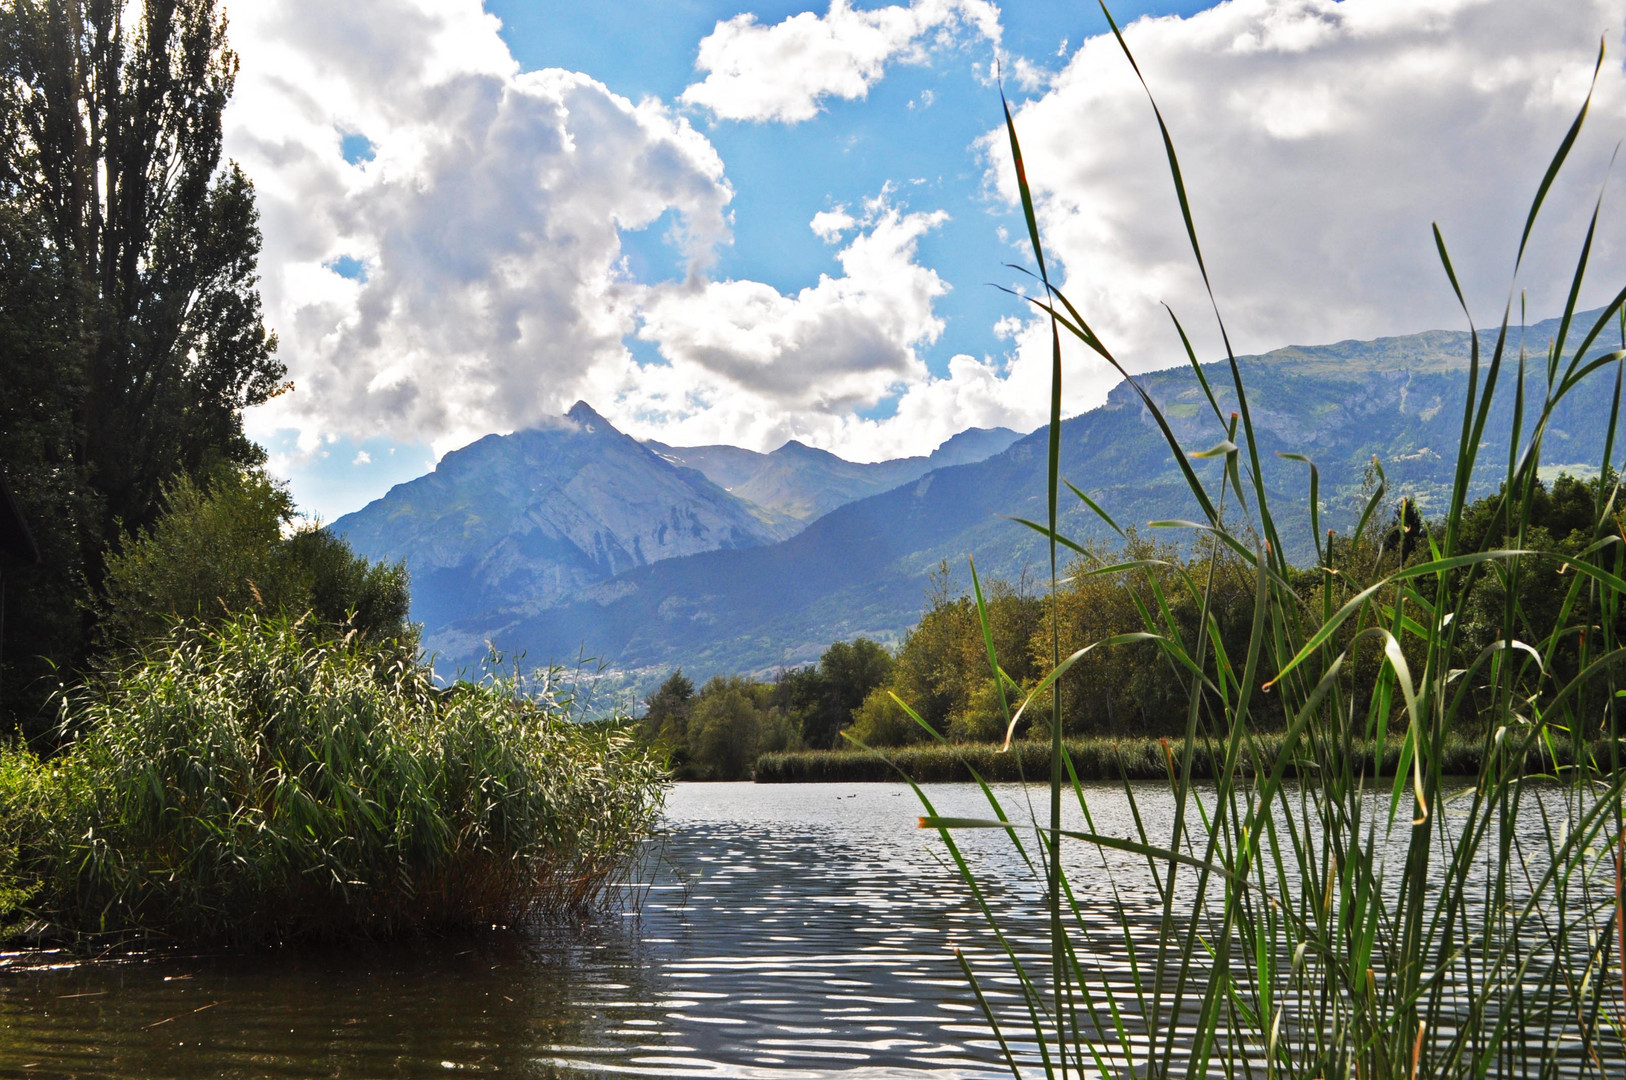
(800, 483)
(577, 539)
(524, 522)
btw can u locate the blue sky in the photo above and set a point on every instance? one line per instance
(753, 222)
(783, 175)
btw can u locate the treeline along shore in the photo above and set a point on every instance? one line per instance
(1109, 760)
(933, 710)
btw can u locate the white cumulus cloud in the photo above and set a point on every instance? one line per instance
(468, 276)
(487, 221)
(750, 365)
(1318, 141)
(784, 71)
(484, 286)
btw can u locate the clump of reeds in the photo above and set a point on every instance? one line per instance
(251, 783)
(1315, 912)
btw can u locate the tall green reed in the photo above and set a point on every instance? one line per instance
(1319, 913)
(253, 782)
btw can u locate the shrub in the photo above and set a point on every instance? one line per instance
(881, 721)
(243, 783)
(725, 728)
(220, 549)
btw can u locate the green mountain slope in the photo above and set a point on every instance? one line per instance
(862, 568)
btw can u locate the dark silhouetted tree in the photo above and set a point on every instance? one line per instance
(131, 335)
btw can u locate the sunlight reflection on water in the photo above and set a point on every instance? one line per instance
(784, 931)
(787, 931)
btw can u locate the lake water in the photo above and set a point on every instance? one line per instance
(786, 931)
(789, 931)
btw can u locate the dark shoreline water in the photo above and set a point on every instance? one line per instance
(782, 932)
(785, 932)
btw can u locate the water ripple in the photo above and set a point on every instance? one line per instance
(785, 932)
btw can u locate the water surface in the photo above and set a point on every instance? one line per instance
(781, 931)
(786, 931)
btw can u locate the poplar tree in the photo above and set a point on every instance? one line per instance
(136, 338)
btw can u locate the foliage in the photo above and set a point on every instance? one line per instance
(726, 728)
(115, 142)
(222, 550)
(1096, 759)
(21, 796)
(718, 733)
(131, 335)
(665, 722)
(1316, 913)
(1134, 690)
(41, 394)
(821, 699)
(942, 667)
(243, 783)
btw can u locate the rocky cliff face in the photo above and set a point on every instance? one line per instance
(524, 519)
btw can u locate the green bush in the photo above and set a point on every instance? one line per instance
(881, 721)
(225, 547)
(244, 783)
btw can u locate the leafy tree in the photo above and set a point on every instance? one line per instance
(725, 728)
(115, 141)
(849, 671)
(881, 721)
(347, 590)
(802, 695)
(667, 718)
(41, 394)
(1132, 689)
(718, 733)
(1559, 524)
(131, 335)
(221, 551)
(942, 669)
(819, 700)
(1406, 533)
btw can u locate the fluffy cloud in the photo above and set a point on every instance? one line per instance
(784, 71)
(1319, 140)
(444, 247)
(464, 273)
(485, 226)
(751, 367)
(833, 345)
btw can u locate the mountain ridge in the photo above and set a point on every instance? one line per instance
(542, 512)
(862, 568)
(523, 521)
(802, 483)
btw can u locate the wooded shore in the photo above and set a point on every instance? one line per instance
(1115, 759)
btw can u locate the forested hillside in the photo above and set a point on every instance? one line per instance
(862, 570)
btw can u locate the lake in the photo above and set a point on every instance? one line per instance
(782, 931)
(786, 931)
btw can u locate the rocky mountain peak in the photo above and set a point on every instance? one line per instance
(585, 415)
